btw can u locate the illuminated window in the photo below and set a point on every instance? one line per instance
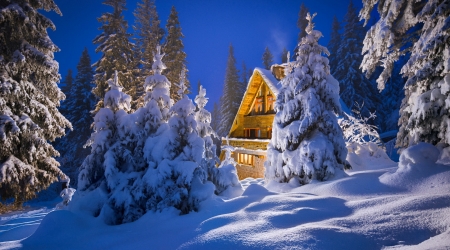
(270, 102)
(269, 133)
(246, 159)
(259, 104)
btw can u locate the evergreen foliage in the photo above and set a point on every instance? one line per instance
(334, 44)
(231, 98)
(76, 108)
(301, 24)
(267, 58)
(354, 86)
(148, 35)
(29, 100)
(95, 169)
(175, 57)
(422, 29)
(67, 83)
(117, 53)
(307, 142)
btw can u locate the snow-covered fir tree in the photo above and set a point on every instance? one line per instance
(307, 142)
(178, 179)
(175, 57)
(354, 86)
(77, 106)
(137, 148)
(117, 52)
(29, 100)
(392, 96)
(231, 97)
(93, 170)
(334, 44)
(148, 35)
(267, 58)
(422, 29)
(224, 178)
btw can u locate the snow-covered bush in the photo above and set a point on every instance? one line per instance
(357, 129)
(307, 142)
(225, 176)
(66, 194)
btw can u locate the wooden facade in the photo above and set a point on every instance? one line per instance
(252, 127)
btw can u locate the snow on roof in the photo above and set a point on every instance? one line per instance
(268, 77)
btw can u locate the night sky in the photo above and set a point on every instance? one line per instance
(209, 27)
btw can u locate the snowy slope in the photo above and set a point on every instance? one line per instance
(394, 206)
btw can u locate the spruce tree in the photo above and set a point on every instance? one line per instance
(267, 58)
(67, 83)
(301, 24)
(354, 86)
(117, 52)
(148, 35)
(178, 179)
(231, 97)
(76, 108)
(421, 29)
(307, 142)
(334, 44)
(29, 100)
(175, 57)
(94, 170)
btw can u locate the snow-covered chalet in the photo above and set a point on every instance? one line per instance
(252, 126)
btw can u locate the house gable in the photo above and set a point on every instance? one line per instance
(257, 105)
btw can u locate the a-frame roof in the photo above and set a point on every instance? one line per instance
(260, 76)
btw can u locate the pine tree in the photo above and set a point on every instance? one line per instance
(354, 86)
(29, 97)
(284, 55)
(76, 108)
(93, 171)
(148, 35)
(67, 83)
(175, 57)
(224, 178)
(307, 142)
(117, 52)
(334, 44)
(267, 58)
(178, 180)
(301, 24)
(422, 29)
(231, 98)
(245, 76)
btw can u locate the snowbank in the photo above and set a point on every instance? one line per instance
(404, 206)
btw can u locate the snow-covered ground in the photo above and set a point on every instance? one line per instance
(381, 205)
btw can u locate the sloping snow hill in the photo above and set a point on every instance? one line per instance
(390, 206)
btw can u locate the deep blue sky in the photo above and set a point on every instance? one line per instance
(209, 27)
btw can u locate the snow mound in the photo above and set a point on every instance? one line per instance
(367, 157)
(418, 165)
